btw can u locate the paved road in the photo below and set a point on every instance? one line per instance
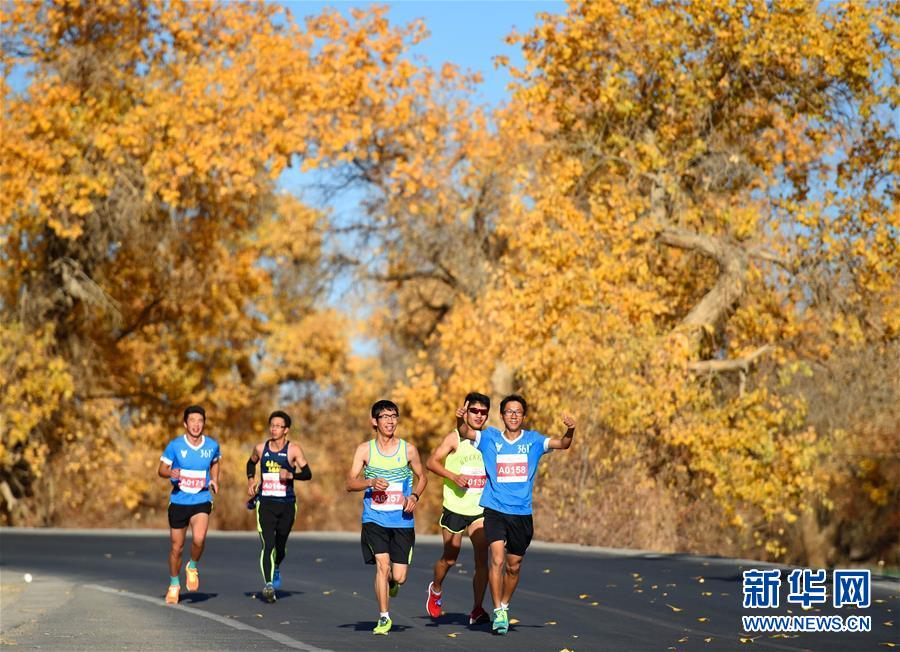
(105, 590)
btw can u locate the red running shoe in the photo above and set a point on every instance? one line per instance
(434, 602)
(478, 616)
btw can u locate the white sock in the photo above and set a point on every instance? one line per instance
(386, 614)
(504, 605)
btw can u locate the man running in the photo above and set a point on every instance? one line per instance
(464, 479)
(191, 463)
(282, 463)
(510, 461)
(388, 529)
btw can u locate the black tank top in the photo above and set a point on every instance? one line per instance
(272, 487)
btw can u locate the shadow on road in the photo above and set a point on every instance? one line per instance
(369, 625)
(192, 598)
(257, 595)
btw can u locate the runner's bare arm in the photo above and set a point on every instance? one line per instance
(435, 460)
(566, 440)
(297, 460)
(166, 471)
(354, 482)
(415, 463)
(461, 426)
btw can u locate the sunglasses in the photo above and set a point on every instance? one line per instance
(482, 411)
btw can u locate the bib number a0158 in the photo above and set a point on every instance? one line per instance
(512, 468)
(191, 481)
(389, 500)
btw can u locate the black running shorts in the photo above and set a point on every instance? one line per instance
(515, 529)
(457, 523)
(180, 515)
(398, 542)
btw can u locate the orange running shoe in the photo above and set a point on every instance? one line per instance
(193, 577)
(172, 593)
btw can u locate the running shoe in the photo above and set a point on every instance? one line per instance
(276, 579)
(269, 592)
(383, 626)
(172, 593)
(501, 621)
(479, 616)
(393, 588)
(193, 577)
(433, 603)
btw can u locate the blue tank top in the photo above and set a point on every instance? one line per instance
(386, 507)
(272, 488)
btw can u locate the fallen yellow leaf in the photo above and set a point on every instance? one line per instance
(673, 608)
(327, 592)
(583, 596)
(708, 640)
(703, 619)
(546, 570)
(513, 621)
(683, 639)
(594, 604)
(550, 622)
(453, 635)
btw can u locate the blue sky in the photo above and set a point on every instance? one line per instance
(466, 32)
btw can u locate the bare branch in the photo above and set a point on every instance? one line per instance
(720, 366)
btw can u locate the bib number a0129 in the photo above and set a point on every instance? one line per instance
(273, 486)
(191, 481)
(512, 468)
(389, 500)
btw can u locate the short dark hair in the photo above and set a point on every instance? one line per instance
(475, 397)
(283, 415)
(510, 399)
(384, 404)
(194, 409)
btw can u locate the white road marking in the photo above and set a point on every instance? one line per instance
(285, 640)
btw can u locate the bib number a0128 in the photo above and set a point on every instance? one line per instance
(389, 500)
(273, 486)
(191, 481)
(512, 468)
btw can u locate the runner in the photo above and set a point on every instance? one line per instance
(510, 462)
(388, 528)
(276, 507)
(191, 463)
(464, 478)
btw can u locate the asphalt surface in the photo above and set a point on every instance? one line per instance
(104, 591)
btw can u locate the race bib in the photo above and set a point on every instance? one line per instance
(512, 468)
(475, 478)
(389, 500)
(273, 486)
(192, 482)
